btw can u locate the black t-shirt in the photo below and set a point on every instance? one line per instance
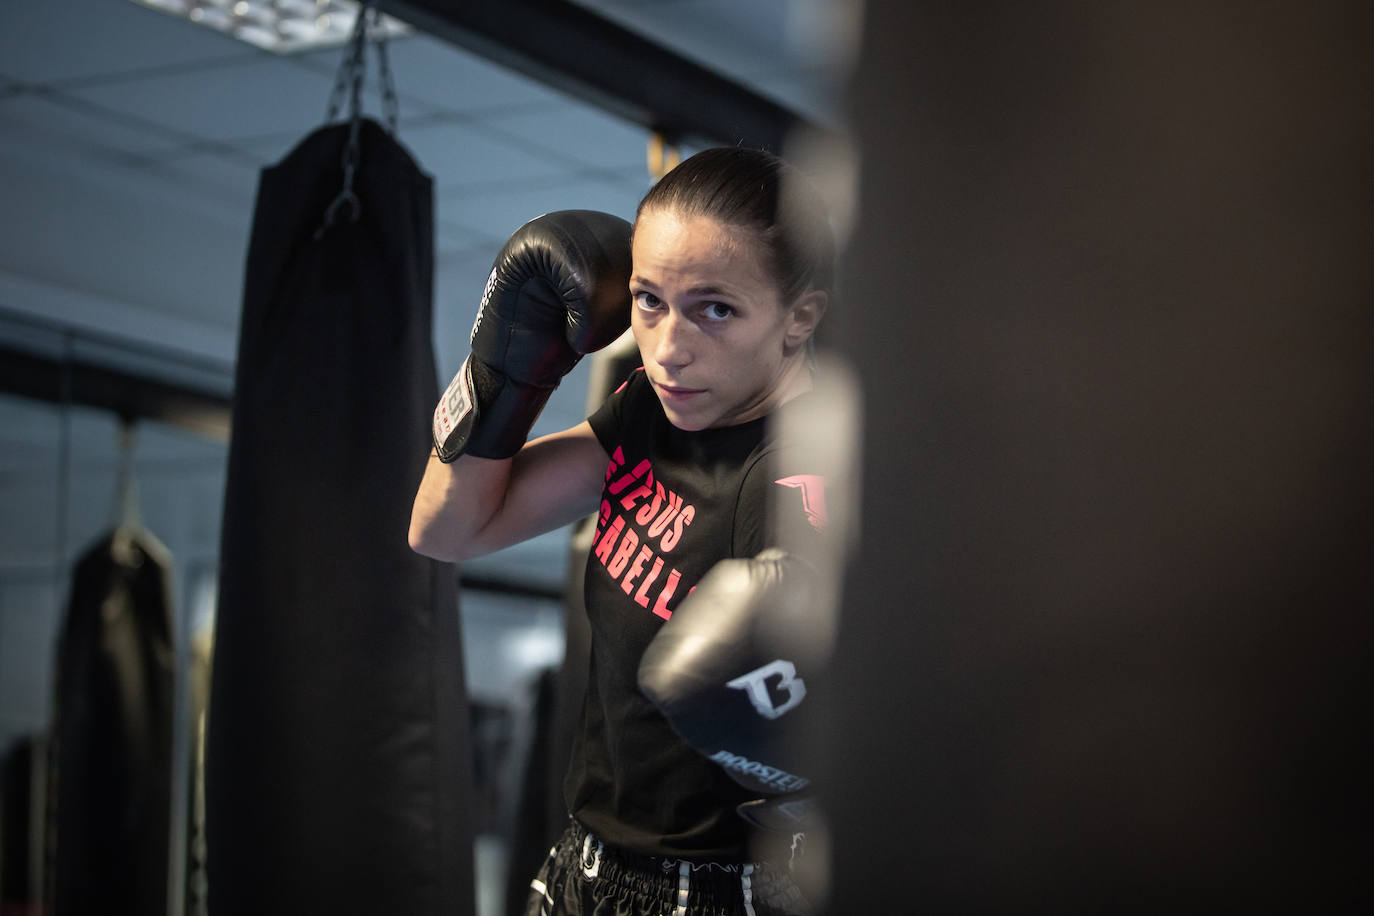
(674, 504)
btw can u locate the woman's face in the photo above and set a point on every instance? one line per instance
(719, 345)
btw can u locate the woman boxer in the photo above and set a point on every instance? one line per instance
(731, 271)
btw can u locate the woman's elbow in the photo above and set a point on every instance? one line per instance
(426, 540)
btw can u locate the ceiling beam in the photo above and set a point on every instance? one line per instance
(576, 51)
(72, 380)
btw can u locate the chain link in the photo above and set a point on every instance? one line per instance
(391, 107)
(350, 78)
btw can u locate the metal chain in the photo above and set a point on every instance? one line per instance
(351, 74)
(350, 78)
(352, 69)
(391, 108)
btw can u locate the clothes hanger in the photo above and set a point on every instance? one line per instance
(128, 526)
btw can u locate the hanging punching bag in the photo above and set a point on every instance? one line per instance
(1109, 622)
(337, 764)
(113, 730)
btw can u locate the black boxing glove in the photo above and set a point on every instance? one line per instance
(558, 289)
(716, 676)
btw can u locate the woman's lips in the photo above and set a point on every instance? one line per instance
(677, 393)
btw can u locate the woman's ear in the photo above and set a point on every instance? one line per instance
(805, 315)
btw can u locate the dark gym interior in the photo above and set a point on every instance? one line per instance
(1105, 620)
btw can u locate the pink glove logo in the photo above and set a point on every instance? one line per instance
(812, 488)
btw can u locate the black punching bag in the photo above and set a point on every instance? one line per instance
(113, 731)
(337, 759)
(1108, 638)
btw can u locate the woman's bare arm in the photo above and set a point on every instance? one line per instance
(478, 505)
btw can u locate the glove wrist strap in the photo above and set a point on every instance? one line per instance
(485, 414)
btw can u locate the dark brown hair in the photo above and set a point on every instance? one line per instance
(756, 190)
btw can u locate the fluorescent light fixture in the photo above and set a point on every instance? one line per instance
(281, 26)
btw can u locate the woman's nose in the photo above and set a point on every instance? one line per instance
(672, 341)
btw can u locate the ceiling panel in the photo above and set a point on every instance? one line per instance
(231, 179)
(58, 41)
(438, 75)
(127, 234)
(577, 133)
(502, 212)
(256, 98)
(44, 120)
(464, 153)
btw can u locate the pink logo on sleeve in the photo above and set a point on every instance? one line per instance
(812, 488)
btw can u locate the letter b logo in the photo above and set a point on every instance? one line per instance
(755, 684)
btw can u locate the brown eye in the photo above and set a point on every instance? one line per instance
(718, 311)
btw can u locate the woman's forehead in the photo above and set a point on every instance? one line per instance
(674, 242)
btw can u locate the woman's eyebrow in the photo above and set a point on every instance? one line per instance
(706, 290)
